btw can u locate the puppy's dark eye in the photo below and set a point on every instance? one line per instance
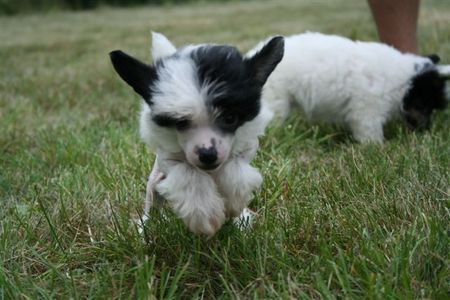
(171, 122)
(230, 120)
(182, 124)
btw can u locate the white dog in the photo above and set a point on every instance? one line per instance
(361, 85)
(202, 115)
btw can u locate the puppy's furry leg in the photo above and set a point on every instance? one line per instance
(153, 179)
(236, 181)
(194, 198)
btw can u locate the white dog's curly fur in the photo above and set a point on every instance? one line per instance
(358, 84)
(202, 115)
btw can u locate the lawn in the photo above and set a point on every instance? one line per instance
(336, 219)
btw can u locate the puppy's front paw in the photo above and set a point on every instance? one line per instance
(237, 182)
(194, 198)
(205, 224)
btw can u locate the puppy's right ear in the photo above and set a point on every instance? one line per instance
(161, 46)
(134, 72)
(263, 62)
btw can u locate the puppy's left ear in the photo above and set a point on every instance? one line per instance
(161, 46)
(265, 60)
(134, 72)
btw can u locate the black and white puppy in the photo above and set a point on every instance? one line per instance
(361, 85)
(202, 115)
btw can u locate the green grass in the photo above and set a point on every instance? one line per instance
(336, 219)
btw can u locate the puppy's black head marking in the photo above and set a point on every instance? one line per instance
(218, 64)
(137, 74)
(236, 83)
(233, 83)
(236, 107)
(234, 94)
(427, 93)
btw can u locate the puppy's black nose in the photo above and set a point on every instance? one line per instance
(207, 156)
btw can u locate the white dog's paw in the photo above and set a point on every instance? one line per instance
(139, 224)
(245, 219)
(236, 182)
(194, 198)
(203, 224)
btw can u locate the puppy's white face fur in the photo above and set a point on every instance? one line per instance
(198, 97)
(203, 144)
(213, 145)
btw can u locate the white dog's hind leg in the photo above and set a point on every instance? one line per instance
(194, 198)
(278, 102)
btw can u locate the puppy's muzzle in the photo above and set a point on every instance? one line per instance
(208, 158)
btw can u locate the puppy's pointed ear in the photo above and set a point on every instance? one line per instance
(161, 46)
(265, 60)
(134, 72)
(434, 58)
